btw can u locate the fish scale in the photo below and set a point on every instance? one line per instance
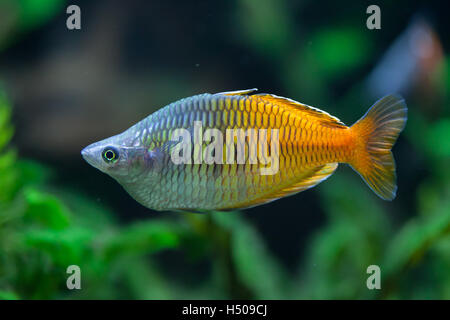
(296, 155)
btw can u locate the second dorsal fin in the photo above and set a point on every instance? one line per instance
(325, 117)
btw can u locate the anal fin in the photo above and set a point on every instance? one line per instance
(308, 180)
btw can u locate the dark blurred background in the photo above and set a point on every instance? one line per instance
(63, 89)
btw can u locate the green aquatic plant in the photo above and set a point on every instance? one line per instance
(40, 234)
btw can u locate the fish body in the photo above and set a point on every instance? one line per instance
(293, 147)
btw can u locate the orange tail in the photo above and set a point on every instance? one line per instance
(376, 133)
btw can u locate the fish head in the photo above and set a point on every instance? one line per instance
(119, 160)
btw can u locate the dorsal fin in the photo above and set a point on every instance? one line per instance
(307, 180)
(317, 113)
(238, 92)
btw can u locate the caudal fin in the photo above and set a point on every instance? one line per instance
(376, 133)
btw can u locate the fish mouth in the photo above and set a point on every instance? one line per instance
(84, 153)
(88, 155)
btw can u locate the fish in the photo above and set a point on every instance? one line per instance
(285, 147)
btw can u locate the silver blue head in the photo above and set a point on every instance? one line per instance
(115, 157)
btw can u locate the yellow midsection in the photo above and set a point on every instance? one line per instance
(301, 136)
(304, 143)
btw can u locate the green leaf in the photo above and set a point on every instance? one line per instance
(338, 50)
(415, 239)
(439, 138)
(8, 295)
(6, 130)
(255, 265)
(35, 12)
(46, 209)
(143, 238)
(65, 247)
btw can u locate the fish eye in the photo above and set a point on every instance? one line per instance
(110, 155)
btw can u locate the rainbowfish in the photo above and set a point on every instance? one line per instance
(209, 151)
